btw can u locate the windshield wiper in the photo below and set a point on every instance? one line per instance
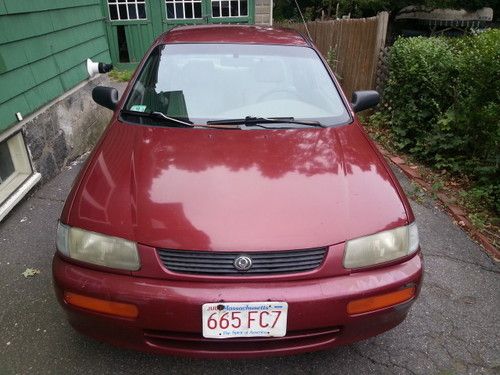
(257, 121)
(158, 116)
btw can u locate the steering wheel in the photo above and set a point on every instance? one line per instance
(277, 91)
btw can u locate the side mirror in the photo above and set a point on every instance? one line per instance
(362, 100)
(105, 96)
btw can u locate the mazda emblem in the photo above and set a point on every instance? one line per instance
(242, 263)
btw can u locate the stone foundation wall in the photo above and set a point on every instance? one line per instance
(66, 128)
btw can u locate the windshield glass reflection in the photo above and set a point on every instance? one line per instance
(204, 82)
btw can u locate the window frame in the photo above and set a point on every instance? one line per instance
(23, 167)
(221, 17)
(116, 3)
(183, 2)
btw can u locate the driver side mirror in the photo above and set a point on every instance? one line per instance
(105, 96)
(362, 100)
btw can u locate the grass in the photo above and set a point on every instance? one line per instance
(121, 75)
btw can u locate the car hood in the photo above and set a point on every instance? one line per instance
(233, 190)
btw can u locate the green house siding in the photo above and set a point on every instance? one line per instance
(43, 48)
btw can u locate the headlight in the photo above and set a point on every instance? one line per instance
(381, 247)
(97, 248)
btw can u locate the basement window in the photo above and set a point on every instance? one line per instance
(16, 172)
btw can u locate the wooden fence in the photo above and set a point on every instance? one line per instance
(354, 45)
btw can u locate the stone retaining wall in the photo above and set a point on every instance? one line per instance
(66, 128)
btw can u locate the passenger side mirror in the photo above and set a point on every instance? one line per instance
(362, 100)
(105, 96)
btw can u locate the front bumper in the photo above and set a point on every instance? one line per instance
(169, 320)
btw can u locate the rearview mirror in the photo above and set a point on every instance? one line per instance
(362, 100)
(105, 96)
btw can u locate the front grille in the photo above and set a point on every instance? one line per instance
(222, 263)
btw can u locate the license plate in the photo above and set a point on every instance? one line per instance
(252, 319)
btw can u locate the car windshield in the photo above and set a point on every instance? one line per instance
(211, 82)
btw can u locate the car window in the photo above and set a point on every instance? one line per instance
(206, 82)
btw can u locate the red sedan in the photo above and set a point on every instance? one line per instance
(234, 206)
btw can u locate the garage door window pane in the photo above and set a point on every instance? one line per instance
(132, 11)
(170, 10)
(215, 9)
(113, 12)
(179, 10)
(189, 11)
(225, 9)
(197, 10)
(122, 11)
(141, 8)
(234, 9)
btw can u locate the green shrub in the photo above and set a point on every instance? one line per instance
(442, 105)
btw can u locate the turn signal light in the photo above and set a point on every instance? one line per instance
(379, 302)
(124, 310)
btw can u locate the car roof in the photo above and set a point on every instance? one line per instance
(238, 34)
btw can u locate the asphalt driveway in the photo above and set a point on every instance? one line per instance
(453, 328)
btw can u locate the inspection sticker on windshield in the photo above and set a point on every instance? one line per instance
(253, 319)
(138, 108)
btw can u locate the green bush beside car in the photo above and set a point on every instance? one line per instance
(442, 106)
